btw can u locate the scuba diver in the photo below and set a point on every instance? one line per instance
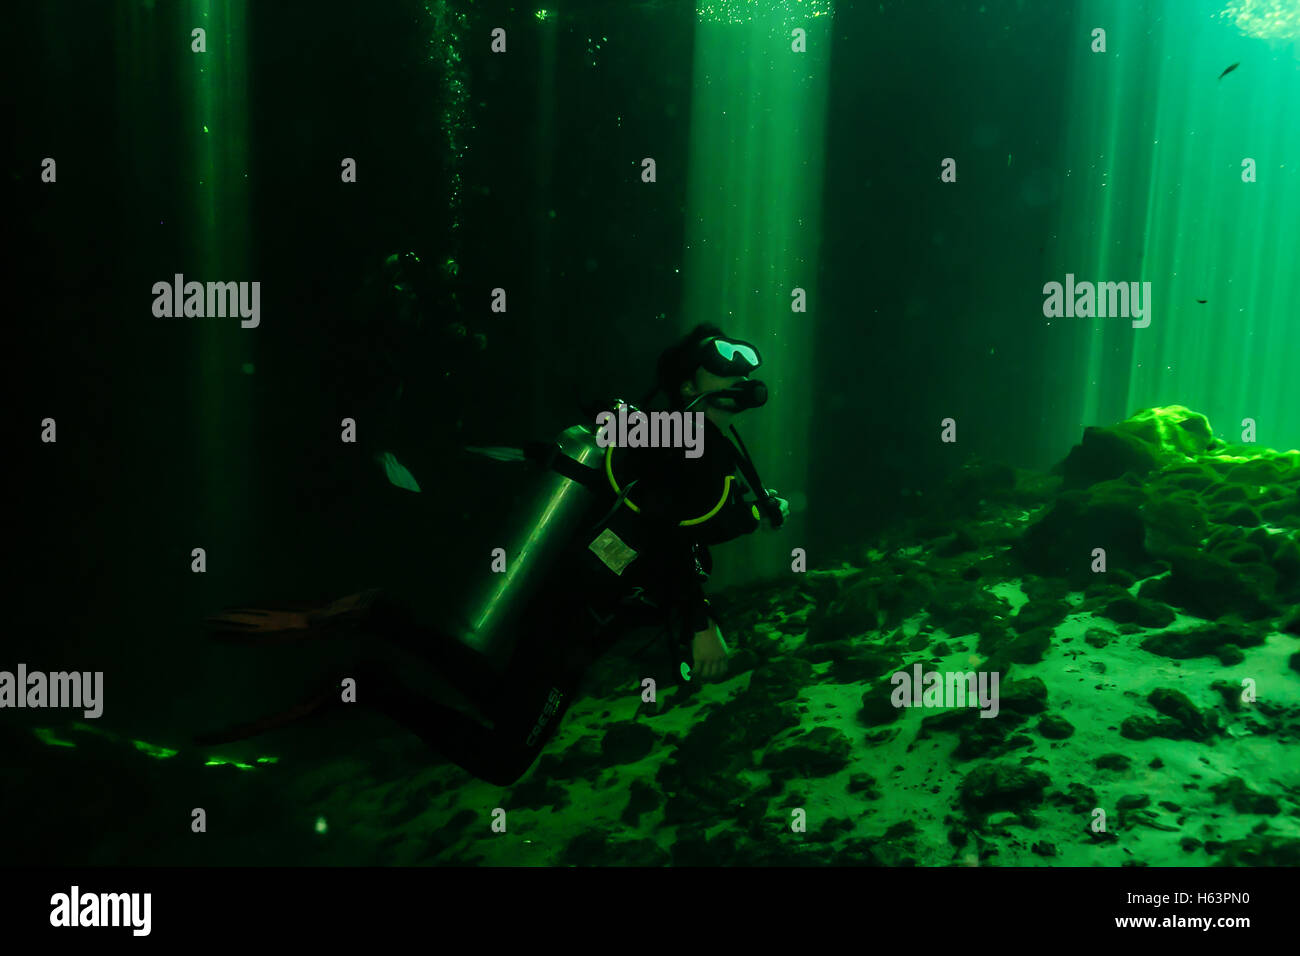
(619, 539)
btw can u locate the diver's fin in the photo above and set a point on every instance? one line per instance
(250, 625)
(314, 705)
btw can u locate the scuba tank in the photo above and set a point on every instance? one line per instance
(485, 615)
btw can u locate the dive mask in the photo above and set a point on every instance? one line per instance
(726, 357)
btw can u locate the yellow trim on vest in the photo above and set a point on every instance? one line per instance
(726, 492)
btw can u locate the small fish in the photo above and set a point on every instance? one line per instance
(1229, 70)
(1202, 301)
(397, 473)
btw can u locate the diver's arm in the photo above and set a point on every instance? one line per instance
(699, 612)
(739, 516)
(695, 619)
(704, 648)
(691, 611)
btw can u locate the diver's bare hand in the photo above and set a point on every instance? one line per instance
(710, 652)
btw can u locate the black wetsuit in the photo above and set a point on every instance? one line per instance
(584, 605)
(677, 507)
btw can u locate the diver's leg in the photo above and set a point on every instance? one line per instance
(370, 613)
(393, 621)
(451, 732)
(531, 700)
(524, 706)
(543, 681)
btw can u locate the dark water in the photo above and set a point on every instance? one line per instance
(1147, 700)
